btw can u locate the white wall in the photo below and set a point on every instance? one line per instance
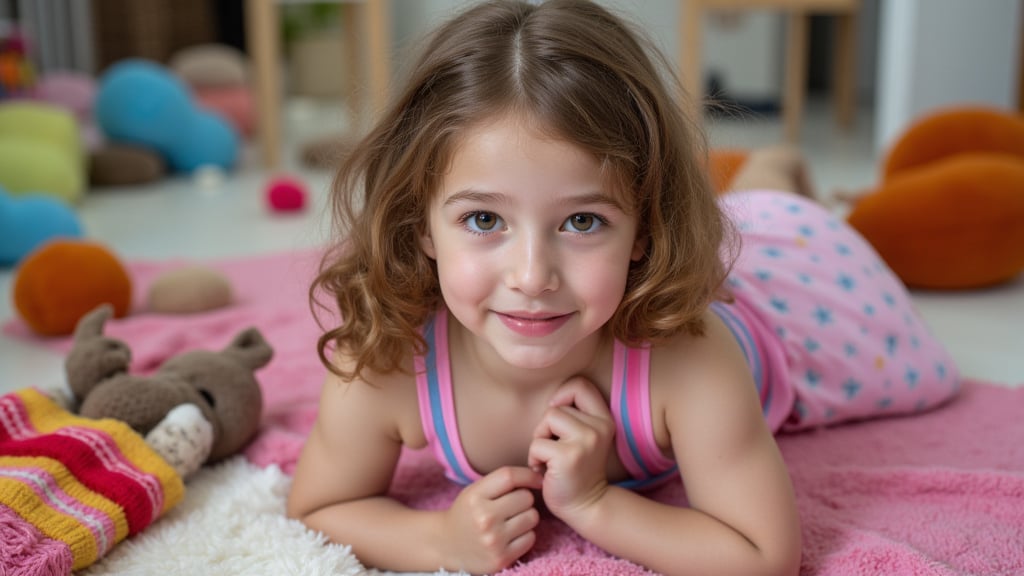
(938, 53)
(412, 19)
(930, 53)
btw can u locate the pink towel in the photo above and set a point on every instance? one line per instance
(939, 493)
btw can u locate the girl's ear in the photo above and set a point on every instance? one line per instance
(427, 244)
(639, 248)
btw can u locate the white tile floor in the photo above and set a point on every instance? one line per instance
(185, 218)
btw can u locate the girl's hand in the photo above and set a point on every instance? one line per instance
(491, 522)
(571, 444)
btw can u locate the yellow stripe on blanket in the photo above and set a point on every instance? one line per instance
(46, 417)
(86, 483)
(48, 496)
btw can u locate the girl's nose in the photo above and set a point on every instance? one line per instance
(533, 269)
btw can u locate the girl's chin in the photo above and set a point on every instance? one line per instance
(534, 356)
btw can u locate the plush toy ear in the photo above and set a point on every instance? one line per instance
(91, 325)
(94, 357)
(249, 347)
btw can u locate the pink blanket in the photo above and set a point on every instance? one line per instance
(938, 493)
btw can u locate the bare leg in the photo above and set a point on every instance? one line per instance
(775, 168)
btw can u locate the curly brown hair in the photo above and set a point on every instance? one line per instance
(585, 76)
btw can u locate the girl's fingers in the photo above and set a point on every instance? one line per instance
(582, 394)
(542, 451)
(522, 522)
(508, 479)
(522, 544)
(513, 503)
(565, 421)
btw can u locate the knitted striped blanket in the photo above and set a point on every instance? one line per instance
(71, 488)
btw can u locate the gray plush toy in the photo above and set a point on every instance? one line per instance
(198, 407)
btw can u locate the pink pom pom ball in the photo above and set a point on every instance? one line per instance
(286, 195)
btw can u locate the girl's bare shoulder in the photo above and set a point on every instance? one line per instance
(386, 401)
(706, 374)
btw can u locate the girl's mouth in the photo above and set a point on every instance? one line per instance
(532, 325)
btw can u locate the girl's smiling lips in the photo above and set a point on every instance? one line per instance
(533, 324)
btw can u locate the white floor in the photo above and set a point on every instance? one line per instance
(192, 218)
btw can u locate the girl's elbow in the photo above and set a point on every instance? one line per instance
(785, 559)
(295, 509)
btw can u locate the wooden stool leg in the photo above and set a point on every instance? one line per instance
(378, 22)
(690, 49)
(844, 70)
(796, 74)
(264, 47)
(353, 63)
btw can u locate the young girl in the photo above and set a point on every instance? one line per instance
(537, 283)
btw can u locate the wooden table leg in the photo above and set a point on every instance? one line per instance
(844, 70)
(796, 74)
(378, 26)
(690, 53)
(264, 47)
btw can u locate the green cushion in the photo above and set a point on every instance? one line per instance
(40, 151)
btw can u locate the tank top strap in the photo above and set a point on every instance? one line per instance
(631, 408)
(437, 404)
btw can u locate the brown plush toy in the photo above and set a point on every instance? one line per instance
(198, 407)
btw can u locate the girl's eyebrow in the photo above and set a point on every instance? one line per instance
(476, 196)
(599, 198)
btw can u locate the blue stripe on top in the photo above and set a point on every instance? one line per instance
(627, 424)
(436, 407)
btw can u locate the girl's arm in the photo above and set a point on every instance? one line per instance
(342, 478)
(742, 517)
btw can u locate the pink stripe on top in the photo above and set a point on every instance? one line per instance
(631, 407)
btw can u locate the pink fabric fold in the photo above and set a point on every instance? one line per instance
(938, 493)
(27, 552)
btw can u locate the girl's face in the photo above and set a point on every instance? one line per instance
(532, 249)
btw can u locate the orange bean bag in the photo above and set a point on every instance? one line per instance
(723, 164)
(63, 280)
(949, 213)
(956, 131)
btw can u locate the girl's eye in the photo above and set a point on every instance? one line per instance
(585, 223)
(482, 221)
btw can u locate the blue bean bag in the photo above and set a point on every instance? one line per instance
(142, 103)
(27, 221)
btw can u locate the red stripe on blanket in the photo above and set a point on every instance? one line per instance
(96, 473)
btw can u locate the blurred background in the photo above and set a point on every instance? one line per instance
(206, 129)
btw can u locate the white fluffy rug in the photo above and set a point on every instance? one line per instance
(231, 522)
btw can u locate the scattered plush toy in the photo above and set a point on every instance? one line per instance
(121, 463)
(40, 150)
(949, 213)
(76, 93)
(189, 290)
(211, 66)
(326, 151)
(142, 103)
(27, 221)
(219, 77)
(124, 165)
(286, 194)
(219, 386)
(17, 75)
(63, 280)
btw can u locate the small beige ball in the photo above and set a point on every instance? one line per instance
(189, 290)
